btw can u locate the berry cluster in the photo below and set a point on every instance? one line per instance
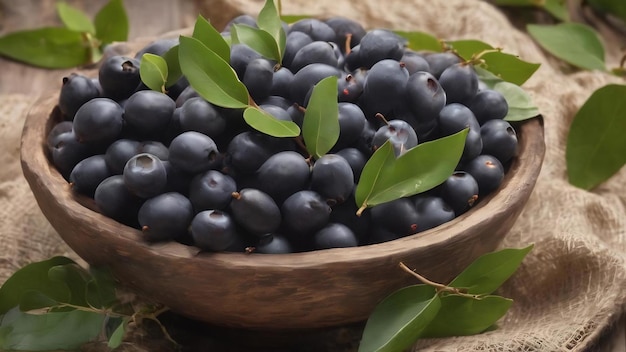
(180, 168)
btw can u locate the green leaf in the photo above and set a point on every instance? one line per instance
(490, 271)
(558, 9)
(33, 277)
(615, 8)
(46, 47)
(461, 316)
(269, 21)
(373, 172)
(112, 23)
(76, 279)
(574, 43)
(320, 127)
(101, 288)
(74, 18)
(293, 18)
(466, 48)
(419, 169)
(153, 72)
(210, 75)
(209, 36)
(118, 334)
(51, 331)
(396, 322)
(173, 66)
(595, 143)
(257, 39)
(509, 67)
(268, 124)
(33, 300)
(421, 41)
(521, 106)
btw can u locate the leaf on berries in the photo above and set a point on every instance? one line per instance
(397, 321)
(268, 124)
(46, 47)
(270, 22)
(293, 18)
(521, 106)
(74, 18)
(51, 331)
(257, 39)
(34, 277)
(210, 75)
(506, 66)
(421, 41)
(574, 43)
(320, 127)
(490, 271)
(466, 48)
(462, 315)
(173, 66)
(417, 170)
(209, 36)
(112, 23)
(153, 72)
(595, 143)
(509, 67)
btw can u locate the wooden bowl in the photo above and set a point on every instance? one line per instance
(276, 292)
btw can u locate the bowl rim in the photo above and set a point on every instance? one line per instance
(517, 184)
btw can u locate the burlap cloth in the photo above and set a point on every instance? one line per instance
(570, 288)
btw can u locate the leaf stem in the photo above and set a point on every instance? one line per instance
(438, 286)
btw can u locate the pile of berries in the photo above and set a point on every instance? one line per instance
(180, 168)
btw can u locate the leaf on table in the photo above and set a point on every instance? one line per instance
(574, 43)
(461, 315)
(320, 127)
(33, 277)
(398, 320)
(46, 47)
(257, 39)
(558, 9)
(112, 23)
(615, 8)
(51, 331)
(421, 41)
(595, 143)
(76, 279)
(117, 337)
(153, 71)
(268, 124)
(101, 288)
(210, 75)
(489, 271)
(417, 170)
(204, 31)
(74, 18)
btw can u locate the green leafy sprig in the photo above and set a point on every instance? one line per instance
(64, 306)
(465, 306)
(594, 149)
(80, 42)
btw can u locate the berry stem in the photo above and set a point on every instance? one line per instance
(348, 43)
